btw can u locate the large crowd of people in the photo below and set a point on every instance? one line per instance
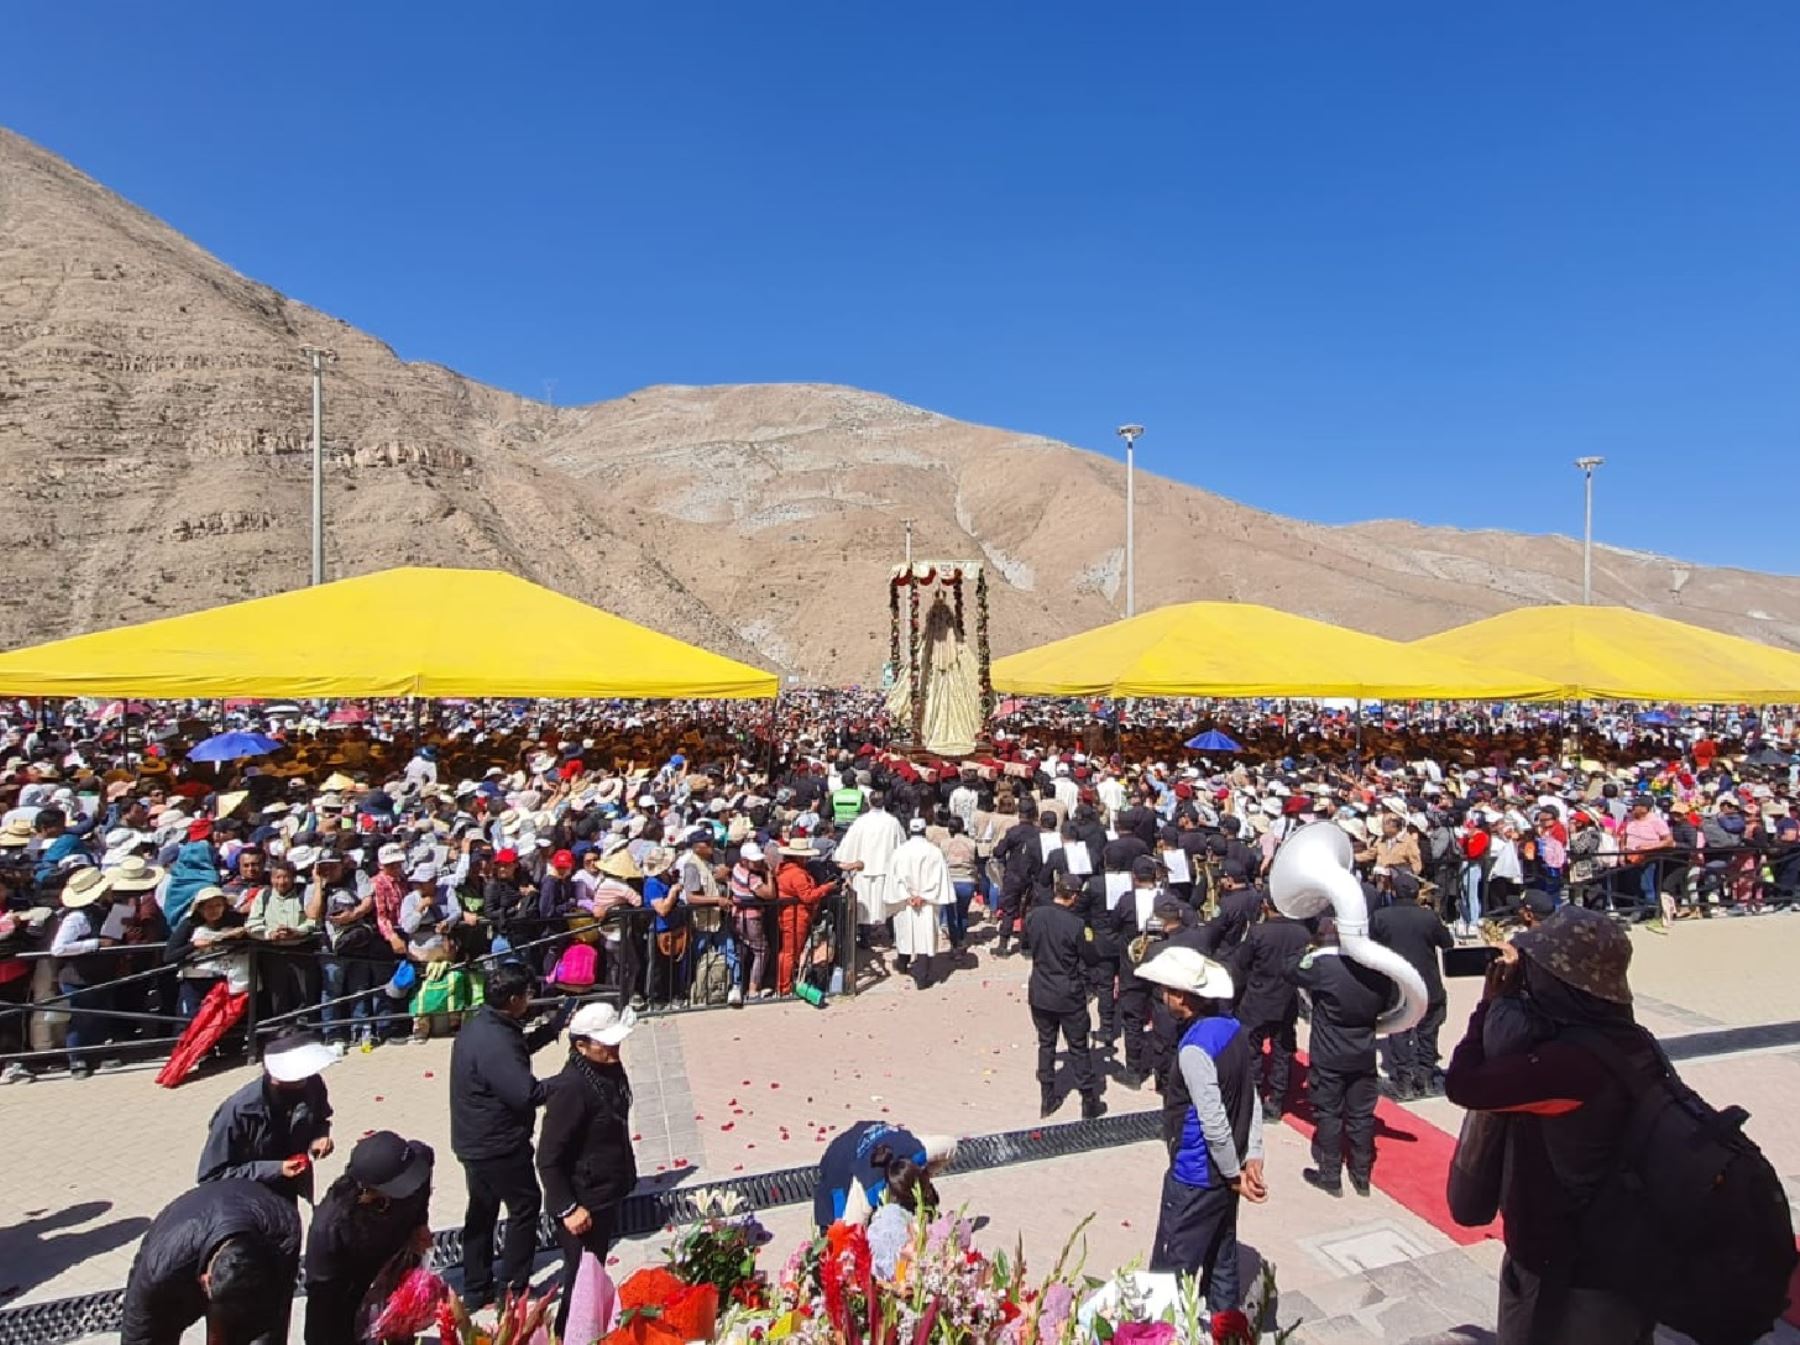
(374, 879)
(361, 876)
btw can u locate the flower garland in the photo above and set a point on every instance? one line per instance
(956, 588)
(982, 654)
(894, 626)
(914, 638)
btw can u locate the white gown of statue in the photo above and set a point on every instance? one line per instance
(950, 687)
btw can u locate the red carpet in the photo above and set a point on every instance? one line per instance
(1412, 1161)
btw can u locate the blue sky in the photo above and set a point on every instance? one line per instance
(1344, 261)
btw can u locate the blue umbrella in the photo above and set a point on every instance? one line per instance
(1656, 717)
(1212, 741)
(232, 746)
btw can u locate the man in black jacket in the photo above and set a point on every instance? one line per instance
(584, 1154)
(1270, 1004)
(273, 1128)
(493, 1102)
(1415, 931)
(1062, 949)
(1347, 999)
(1239, 904)
(227, 1251)
(1020, 855)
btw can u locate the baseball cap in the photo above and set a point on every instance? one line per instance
(393, 1166)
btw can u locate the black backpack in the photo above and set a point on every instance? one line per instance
(1692, 1224)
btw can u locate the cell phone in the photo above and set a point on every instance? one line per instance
(1469, 961)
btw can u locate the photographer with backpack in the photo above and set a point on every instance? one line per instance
(1627, 1200)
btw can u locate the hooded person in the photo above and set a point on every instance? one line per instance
(866, 852)
(195, 865)
(273, 1128)
(919, 890)
(1569, 1112)
(1212, 1125)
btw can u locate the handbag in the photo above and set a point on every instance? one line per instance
(1472, 1189)
(673, 943)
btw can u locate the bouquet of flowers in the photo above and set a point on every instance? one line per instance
(721, 1249)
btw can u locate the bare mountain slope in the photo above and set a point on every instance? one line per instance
(154, 417)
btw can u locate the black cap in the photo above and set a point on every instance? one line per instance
(393, 1166)
(1143, 867)
(1538, 902)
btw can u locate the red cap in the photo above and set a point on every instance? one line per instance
(200, 830)
(563, 859)
(1293, 805)
(508, 856)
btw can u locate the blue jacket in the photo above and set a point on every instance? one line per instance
(195, 867)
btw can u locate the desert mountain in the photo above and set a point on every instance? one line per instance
(154, 421)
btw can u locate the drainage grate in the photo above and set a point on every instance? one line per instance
(66, 1319)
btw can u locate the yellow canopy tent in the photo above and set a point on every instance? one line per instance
(1236, 650)
(1614, 653)
(406, 632)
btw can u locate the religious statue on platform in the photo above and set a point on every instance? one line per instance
(940, 698)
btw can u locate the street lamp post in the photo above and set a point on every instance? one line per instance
(320, 357)
(1587, 466)
(1130, 434)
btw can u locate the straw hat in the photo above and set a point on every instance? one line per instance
(134, 874)
(337, 783)
(657, 861)
(16, 834)
(84, 888)
(619, 864)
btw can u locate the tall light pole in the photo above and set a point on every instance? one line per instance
(1587, 466)
(320, 357)
(1130, 433)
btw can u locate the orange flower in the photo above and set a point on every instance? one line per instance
(658, 1308)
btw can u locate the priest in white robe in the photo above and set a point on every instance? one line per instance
(918, 890)
(865, 853)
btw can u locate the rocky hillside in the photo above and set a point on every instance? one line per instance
(154, 414)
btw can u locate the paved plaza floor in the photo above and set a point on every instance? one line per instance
(86, 1164)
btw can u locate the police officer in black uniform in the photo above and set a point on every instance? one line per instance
(1020, 855)
(1062, 949)
(1269, 1006)
(1134, 916)
(1347, 999)
(1239, 905)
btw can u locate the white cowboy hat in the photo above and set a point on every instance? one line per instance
(292, 1059)
(133, 874)
(84, 888)
(602, 1023)
(1185, 969)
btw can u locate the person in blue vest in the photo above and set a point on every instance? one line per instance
(1212, 1123)
(857, 1166)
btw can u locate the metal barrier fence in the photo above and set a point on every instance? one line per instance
(635, 957)
(65, 1319)
(1696, 879)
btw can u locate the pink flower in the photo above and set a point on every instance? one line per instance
(1144, 1333)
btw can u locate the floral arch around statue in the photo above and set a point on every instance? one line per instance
(940, 696)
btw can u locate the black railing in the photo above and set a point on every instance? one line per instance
(634, 967)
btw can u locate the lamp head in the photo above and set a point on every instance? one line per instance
(1129, 432)
(1588, 464)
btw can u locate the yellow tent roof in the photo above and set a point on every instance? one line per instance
(406, 632)
(1230, 649)
(1614, 653)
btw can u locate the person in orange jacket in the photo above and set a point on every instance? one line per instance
(800, 897)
